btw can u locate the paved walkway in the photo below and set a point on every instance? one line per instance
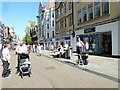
(103, 65)
(52, 73)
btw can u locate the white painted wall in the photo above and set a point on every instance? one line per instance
(113, 27)
(115, 32)
(119, 38)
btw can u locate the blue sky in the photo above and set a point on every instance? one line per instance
(18, 14)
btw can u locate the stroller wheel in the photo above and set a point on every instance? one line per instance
(29, 75)
(21, 75)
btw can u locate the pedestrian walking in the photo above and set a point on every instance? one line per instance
(87, 47)
(21, 49)
(79, 47)
(66, 50)
(33, 48)
(6, 61)
(61, 51)
(39, 49)
(1, 47)
(0, 50)
(36, 48)
(52, 47)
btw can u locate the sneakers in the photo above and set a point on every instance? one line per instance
(7, 76)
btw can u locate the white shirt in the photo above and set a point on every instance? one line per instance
(39, 47)
(21, 49)
(6, 55)
(0, 46)
(80, 44)
(87, 46)
(61, 49)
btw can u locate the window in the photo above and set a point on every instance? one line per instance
(90, 12)
(84, 14)
(61, 8)
(97, 9)
(57, 14)
(47, 26)
(53, 35)
(57, 27)
(53, 15)
(47, 35)
(65, 23)
(70, 20)
(61, 24)
(105, 7)
(47, 19)
(64, 7)
(79, 16)
(53, 23)
(70, 5)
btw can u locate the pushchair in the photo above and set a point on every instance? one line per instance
(25, 65)
(84, 58)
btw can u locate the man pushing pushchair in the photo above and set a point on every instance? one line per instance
(82, 56)
(23, 57)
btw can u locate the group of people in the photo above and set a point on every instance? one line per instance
(5, 56)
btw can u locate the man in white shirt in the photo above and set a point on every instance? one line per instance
(21, 49)
(79, 46)
(0, 49)
(6, 61)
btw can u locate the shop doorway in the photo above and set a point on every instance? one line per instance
(107, 43)
(62, 43)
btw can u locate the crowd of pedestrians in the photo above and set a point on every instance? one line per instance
(60, 51)
(21, 49)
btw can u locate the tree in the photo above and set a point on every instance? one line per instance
(27, 37)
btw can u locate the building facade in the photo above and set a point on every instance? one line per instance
(2, 32)
(64, 22)
(34, 34)
(98, 23)
(49, 24)
(40, 25)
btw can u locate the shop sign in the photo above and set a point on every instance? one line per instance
(88, 30)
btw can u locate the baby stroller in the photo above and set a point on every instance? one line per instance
(84, 58)
(25, 65)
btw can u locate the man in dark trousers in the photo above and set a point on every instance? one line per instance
(79, 47)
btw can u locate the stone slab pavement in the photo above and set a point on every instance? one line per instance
(104, 65)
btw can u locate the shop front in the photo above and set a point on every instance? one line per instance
(99, 43)
(57, 41)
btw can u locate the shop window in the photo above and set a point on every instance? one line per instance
(90, 12)
(105, 7)
(97, 9)
(84, 14)
(79, 16)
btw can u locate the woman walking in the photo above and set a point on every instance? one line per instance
(6, 61)
(39, 49)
